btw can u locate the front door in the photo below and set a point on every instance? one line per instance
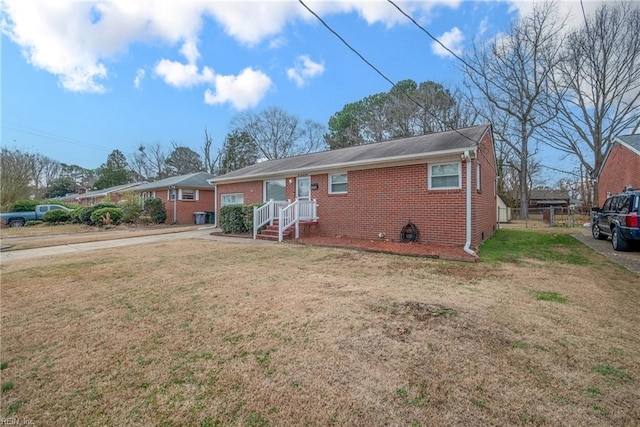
(303, 188)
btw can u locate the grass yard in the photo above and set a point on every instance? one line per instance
(209, 333)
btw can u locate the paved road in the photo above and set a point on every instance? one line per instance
(629, 260)
(6, 256)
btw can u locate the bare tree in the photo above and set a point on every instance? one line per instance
(598, 85)
(276, 133)
(211, 162)
(45, 171)
(149, 163)
(16, 175)
(512, 73)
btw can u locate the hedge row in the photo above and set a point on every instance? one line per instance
(237, 218)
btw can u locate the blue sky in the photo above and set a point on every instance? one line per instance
(80, 79)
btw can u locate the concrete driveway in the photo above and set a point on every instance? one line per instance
(205, 233)
(629, 260)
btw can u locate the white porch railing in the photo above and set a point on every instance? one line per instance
(266, 214)
(287, 213)
(308, 210)
(287, 217)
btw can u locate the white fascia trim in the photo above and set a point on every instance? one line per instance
(362, 164)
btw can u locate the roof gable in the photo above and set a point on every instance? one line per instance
(369, 154)
(631, 142)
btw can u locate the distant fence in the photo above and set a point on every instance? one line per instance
(549, 216)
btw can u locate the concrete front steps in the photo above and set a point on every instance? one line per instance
(271, 232)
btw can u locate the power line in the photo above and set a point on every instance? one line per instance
(386, 78)
(55, 137)
(435, 38)
(380, 72)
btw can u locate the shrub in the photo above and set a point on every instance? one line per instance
(131, 211)
(232, 219)
(57, 216)
(155, 209)
(75, 215)
(247, 216)
(106, 216)
(85, 215)
(25, 205)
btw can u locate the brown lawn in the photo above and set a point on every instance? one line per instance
(200, 332)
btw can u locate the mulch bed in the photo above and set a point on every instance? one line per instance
(430, 250)
(411, 249)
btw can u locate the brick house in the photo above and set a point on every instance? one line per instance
(90, 198)
(185, 197)
(443, 183)
(620, 168)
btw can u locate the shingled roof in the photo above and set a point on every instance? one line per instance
(192, 180)
(380, 153)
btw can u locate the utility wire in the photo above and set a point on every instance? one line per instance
(55, 137)
(389, 80)
(380, 72)
(435, 38)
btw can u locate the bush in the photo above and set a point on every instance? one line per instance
(85, 214)
(57, 216)
(25, 205)
(106, 216)
(232, 219)
(131, 211)
(155, 209)
(247, 216)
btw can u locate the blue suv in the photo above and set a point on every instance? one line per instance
(619, 219)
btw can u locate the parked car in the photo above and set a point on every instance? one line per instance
(18, 219)
(619, 219)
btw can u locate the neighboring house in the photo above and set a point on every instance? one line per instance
(90, 198)
(444, 183)
(620, 168)
(546, 198)
(186, 197)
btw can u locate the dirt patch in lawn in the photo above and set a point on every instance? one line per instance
(199, 332)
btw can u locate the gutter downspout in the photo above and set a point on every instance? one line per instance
(215, 205)
(467, 245)
(175, 201)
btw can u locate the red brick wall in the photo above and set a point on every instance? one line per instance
(186, 208)
(621, 169)
(483, 210)
(253, 191)
(383, 200)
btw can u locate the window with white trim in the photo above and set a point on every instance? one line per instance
(232, 199)
(338, 183)
(444, 176)
(275, 190)
(188, 194)
(478, 177)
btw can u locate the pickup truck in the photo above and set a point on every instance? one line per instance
(18, 219)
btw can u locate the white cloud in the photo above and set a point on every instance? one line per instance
(278, 42)
(76, 40)
(183, 75)
(303, 70)
(451, 39)
(190, 51)
(484, 26)
(137, 81)
(243, 91)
